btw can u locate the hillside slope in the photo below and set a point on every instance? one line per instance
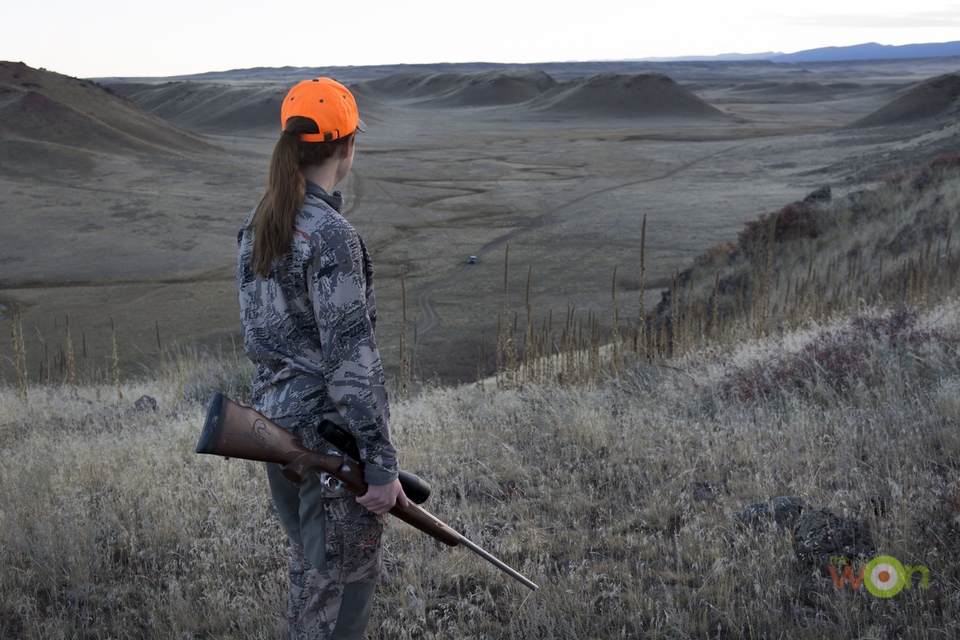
(210, 107)
(815, 258)
(45, 107)
(625, 96)
(482, 89)
(933, 98)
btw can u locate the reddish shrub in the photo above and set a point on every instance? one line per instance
(717, 254)
(945, 162)
(840, 359)
(796, 220)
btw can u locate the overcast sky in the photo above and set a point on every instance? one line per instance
(99, 38)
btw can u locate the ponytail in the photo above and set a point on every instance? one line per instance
(274, 219)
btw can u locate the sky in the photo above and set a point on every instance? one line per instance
(130, 38)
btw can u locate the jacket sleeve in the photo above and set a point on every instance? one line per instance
(351, 363)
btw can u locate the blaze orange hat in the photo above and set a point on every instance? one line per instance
(326, 102)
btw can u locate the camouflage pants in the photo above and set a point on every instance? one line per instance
(335, 558)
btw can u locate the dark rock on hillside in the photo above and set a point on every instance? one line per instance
(146, 403)
(784, 511)
(823, 194)
(821, 535)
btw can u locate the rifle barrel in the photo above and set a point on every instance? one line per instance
(499, 564)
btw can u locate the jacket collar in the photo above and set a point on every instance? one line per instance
(334, 199)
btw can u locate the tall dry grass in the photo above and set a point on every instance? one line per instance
(616, 488)
(618, 498)
(894, 244)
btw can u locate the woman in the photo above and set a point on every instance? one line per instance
(308, 313)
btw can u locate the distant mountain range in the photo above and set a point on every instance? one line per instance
(568, 70)
(868, 51)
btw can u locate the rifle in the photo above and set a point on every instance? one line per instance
(236, 431)
(414, 487)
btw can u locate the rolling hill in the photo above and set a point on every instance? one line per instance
(625, 96)
(481, 89)
(209, 106)
(46, 108)
(933, 98)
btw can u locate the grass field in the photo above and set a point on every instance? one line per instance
(619, 498)
(644, 492)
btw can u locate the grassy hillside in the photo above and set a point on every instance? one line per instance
(708, 476)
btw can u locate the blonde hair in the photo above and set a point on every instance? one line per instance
(274, 218)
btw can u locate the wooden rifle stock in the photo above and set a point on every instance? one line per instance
(235, 431)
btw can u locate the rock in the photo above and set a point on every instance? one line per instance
(782, 510)
(787, 510)
(145, 403)
(823, 194)
(706, 491)
(821, 535)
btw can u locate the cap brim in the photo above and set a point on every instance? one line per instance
(361, 126)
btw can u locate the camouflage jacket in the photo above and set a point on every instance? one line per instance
(309, 329)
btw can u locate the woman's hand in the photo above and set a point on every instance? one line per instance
(380, 498)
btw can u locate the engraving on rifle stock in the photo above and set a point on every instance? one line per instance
(259, 428)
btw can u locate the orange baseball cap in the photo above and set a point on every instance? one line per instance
(326, 102)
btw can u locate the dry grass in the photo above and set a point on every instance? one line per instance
(618, 498)
(112, 528)
(616, 489)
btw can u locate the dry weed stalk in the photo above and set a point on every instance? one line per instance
(19, 350)
(507, 357)
(71, 364)
(404, 362)
(161, 355)
(3, 368)
(641, 337)
(115, 359)
(615, 346)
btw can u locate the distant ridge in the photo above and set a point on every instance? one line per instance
(563, 70)
(483, 89)
(617, 95)
(871, 51)
(866, 51)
